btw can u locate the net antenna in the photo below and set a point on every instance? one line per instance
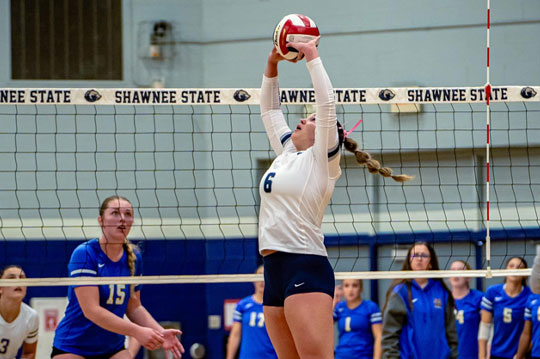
(488, 116)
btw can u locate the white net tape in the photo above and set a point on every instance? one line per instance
(251, 96)
(238, 278)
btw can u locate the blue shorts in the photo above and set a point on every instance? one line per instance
(286, 274)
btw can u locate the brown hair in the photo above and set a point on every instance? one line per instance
(127, 245)
(364, 158)
(8, 267)
(434, 261)
(466, 266)
(360, 283)
(465, 263)
(524, 262)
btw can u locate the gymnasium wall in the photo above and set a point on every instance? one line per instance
(365, 43)
(224, 43)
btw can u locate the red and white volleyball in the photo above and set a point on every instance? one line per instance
(293, 28)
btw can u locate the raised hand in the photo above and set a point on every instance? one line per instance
(307, 49)
(274, 56)
(338, 294)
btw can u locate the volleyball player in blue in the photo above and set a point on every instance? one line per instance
(418, 320)
(248, 330)
(359, 324)
(467, 302)
(530, 336)
(503, 306)
(93, 326)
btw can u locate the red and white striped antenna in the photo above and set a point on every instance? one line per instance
(487, 93)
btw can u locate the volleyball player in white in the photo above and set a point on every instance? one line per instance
(19, 323)
(299, 280)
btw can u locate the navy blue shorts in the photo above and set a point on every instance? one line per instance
(286, 274)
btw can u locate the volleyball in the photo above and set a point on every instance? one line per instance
(293, 28)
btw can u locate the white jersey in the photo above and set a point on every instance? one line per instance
(24, 329)
(297, 187)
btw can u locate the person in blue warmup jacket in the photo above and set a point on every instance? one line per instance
(467, 302)
(93, 326)
(503, 308)
(248, 330)
(419, 320)
(359, 324)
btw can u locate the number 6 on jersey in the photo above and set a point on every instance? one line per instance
(268, 182)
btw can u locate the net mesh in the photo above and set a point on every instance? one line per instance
(190, 161)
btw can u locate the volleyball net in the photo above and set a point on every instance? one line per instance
(190, 161)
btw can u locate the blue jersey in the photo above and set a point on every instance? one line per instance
(424, 334)
(355, 335)
(255, 340)
(75, 333)
(467, 322)
(532, 313)
(508, 318)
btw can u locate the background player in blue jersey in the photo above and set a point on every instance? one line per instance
(530, 336)
(93, 325)
(359, 324)
(467, 302)
(418, 320)
(503, 306)
(19, 324)
(249, 328)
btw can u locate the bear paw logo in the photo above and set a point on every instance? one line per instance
(528, 92)
(386, 95)
(92, 96)
(241, 95)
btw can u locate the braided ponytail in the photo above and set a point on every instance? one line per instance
(374, 167)
(128, 247)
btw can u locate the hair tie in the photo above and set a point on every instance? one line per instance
(347, 133)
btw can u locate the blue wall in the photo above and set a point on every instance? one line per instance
(191, 304)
